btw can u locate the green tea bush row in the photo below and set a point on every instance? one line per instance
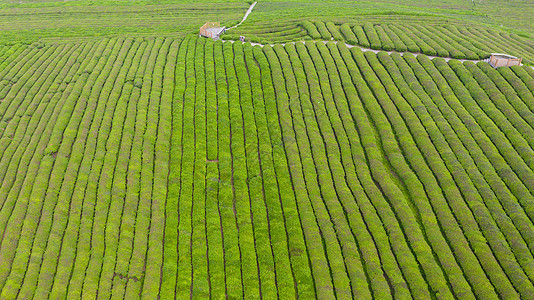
(378, 169)
(414, 183)
(334, 62)
(435, 45)
(512, 269)
(452, 32)
(416, 96)
(324, 175)
(123, 124)
(483, 216)
(111, 132)
(398, 44)
(13, 82)
(43, 183)
(500, 43)
(311, 29)
(249, 267)
(170, 253)
(211, 103)
(504, 170)
(348, 34)
(508, 153)
(416, 41)
(498, 127)
(15, 204)
(438, 170)
(33, 154)
(470, 156)
(441, 94)
(321, 27)
(138, 256)
(466, 35)
(336, 207)
(393, 30)
(288, 207)
(254, 174)
(185, 203)
(339, 276)
(63, 152)
(285, 282)
(311, 222)
(20, 112)
(11, 55)
(387, 44)
(80, 250)
(229, 224)
(199, 246)
(505, 98)
(10, 84)
(360, 34)
(374, 166)
(372, 36)
(455, 50)
(522, 83)
(334, 31)
(337, 107)
(215, 247)
(75, 162)
(156, 146)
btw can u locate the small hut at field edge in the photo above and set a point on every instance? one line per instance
(212, 30)
(504, 60)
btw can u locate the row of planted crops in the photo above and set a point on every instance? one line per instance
(316, 170)
(138, 168)
(460, 41)
(84, 142)
(405, 178)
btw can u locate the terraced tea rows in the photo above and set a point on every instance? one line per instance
(145, 168)
(232, 222)
(85, 136)
(385, 176)
(268, 32)
(460, 41)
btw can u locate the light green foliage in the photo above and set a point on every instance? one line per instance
(156, 164)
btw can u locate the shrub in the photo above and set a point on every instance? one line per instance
(311, 29)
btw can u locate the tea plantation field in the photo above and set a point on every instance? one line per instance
(154, 167)
(140, 161)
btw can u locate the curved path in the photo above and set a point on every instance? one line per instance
(366, 50)
(348, 45)
(246, 15)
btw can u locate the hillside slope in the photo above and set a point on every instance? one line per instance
(138, 168)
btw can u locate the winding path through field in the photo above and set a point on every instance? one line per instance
(246, 15)
(348, 45)
(365, 50)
